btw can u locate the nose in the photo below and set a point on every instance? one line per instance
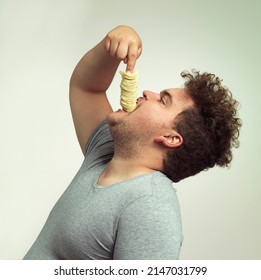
(150, 95)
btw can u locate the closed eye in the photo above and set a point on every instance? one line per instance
(162, 101)
(165, 97)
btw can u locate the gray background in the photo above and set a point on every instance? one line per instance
(40, 44)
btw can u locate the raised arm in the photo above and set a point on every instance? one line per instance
(93, 75)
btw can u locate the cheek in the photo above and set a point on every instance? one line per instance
(151, 117)
(146, 123)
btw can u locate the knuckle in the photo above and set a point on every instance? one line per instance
(132, 56)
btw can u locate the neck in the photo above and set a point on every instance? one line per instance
(123, 168)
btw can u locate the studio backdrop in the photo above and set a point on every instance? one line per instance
(40, 44)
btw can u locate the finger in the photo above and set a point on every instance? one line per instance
(132, 57)
(107, 44)
(113, 48)
(139, 52)
(122, 51)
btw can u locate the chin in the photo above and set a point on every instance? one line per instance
(115, 117)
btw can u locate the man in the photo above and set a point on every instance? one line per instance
(122, 203)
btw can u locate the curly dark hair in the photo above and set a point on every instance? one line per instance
(210, 129)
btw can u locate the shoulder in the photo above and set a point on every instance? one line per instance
(150, 226)
(154, 191)
(100, 147)
(100, 135)
(162, 187)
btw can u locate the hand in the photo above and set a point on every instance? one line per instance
(124, 43)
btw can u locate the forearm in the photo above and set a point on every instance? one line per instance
(95, 70)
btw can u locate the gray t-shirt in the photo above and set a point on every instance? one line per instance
(135, 219)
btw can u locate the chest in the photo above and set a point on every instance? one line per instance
(85, 222)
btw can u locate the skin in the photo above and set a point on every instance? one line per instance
(140, 149)
(141, 137)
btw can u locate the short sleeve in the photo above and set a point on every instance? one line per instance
(100, 148)
(149, 229)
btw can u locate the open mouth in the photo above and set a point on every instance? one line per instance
(122, 111)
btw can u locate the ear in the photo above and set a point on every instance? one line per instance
(170, 139)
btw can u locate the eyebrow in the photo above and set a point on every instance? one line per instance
(165, 93)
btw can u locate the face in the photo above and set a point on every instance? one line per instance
(153, 116)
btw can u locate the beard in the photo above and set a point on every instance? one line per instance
(128, 137)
